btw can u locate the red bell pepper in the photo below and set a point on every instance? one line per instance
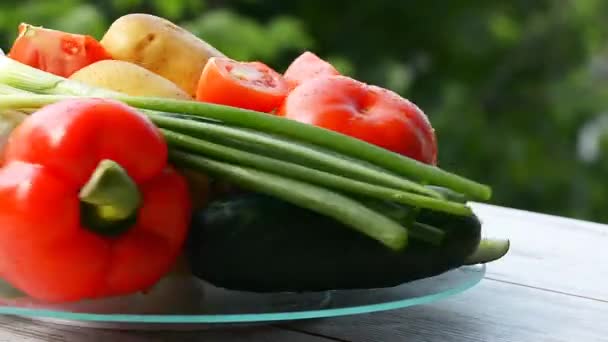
(89, 207)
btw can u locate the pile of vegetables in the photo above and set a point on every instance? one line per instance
(125, 153)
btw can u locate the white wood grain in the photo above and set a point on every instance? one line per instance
(549, 252)
(492, 312)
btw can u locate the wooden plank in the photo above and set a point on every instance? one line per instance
(549, 252)
(17, 329)
(261, 334)
(493, 311)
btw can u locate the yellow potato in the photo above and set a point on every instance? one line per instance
(161, 47)
(128, 78)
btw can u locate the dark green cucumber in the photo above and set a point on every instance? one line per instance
(258, 243)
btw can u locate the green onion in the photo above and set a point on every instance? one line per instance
(327, 161)
(343, 209)
(309, 175)
(25, 77)
(8, 90)
(406, 216)
(427, 233)
(304, 154)
(334, 141)
(488, 250)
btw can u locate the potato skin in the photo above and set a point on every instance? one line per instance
(128, 78)
(161, 47)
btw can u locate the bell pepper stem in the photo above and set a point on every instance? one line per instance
(112, 192)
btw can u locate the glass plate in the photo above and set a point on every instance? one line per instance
(182, 302)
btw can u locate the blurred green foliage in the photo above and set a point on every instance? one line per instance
(516, 89)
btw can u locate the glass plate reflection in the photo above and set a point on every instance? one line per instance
(183, 302)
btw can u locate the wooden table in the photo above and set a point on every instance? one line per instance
(552, 286)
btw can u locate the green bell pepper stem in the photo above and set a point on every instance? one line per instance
(110, 198)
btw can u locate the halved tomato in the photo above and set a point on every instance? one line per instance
(308, 66)
(57, 52)
(248, 85)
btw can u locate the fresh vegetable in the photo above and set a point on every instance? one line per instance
(369, 113)
(301, 154)
(306, 67)
(339, 142)
(161, 47)
(88, 205)
(350, 148)
(249, 85)
(9, 119)
(344, 191)
(310, 175)
(489, 249)
(128, 78)
(57, 52)
(342, 178)
(132, 79)
(235, 245)
(353, 214)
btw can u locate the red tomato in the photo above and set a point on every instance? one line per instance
(249, 85)
(370, 113)
(308, 66)
(57, 52)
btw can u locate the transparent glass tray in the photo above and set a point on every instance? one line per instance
(185, 303)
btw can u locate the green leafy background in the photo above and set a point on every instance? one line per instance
(516, 90)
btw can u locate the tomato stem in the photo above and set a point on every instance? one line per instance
(111, 193)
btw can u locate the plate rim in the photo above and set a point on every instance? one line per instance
(184, 319)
